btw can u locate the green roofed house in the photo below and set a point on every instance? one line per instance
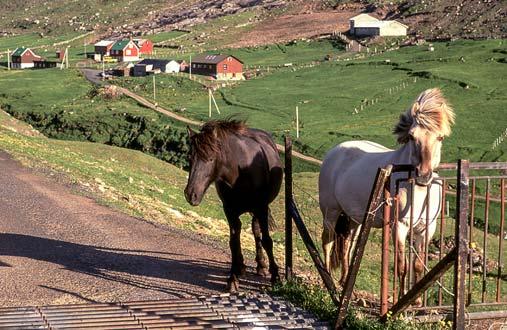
(125, 51)
(23, 58)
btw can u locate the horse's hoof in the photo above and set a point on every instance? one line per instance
(262, 271)
(233, 284)
(243, 270)
(275, 278)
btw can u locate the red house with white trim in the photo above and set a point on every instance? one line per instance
(145, 46)
(125, 50)
(23, 58)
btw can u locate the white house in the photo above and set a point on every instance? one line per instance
(364, 25)
(172, 67)
(151, 65)
(102, 48)
(361, 18)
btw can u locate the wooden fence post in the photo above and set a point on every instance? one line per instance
(288, 211)
(461, 243)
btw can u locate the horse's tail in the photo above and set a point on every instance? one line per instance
(341, 233)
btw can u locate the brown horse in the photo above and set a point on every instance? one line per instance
(245, 166)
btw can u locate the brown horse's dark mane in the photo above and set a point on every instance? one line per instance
(207, 142)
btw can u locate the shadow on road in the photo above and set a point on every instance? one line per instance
(132, 267)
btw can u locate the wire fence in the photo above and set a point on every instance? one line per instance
(486, 276)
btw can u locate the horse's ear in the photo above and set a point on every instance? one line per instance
(191, 132)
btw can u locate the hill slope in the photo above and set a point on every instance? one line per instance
(274, 20)
(448, 19)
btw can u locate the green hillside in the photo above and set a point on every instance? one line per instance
(62, 16)
(328, 95)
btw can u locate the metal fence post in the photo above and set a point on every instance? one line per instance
(386, 233)
(288, 211)
(373, 204)
(461, 243)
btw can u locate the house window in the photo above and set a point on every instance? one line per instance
(128, 52)
(225, 66)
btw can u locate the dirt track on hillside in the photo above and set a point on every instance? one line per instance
(59, 247)
(292, 27)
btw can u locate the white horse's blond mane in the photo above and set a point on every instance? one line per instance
(431, 111)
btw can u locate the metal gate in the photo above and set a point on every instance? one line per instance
(478, 218)
(469, 239)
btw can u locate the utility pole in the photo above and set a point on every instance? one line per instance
(154, 95)
(209, 105)
(67, 57)
(63, 62)
(297, 122)
(8, 59)
(214, 102)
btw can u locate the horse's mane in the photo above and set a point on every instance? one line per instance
(207, 142)
(431, 111)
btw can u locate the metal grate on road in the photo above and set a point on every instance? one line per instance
(215, 312)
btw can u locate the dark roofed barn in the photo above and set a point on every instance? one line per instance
(218, 66)
(156, 63)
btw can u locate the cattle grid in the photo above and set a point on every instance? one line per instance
(241, 311)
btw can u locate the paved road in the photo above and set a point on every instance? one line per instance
(59, 247)
(93, 75)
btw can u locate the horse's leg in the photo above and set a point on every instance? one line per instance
(267, 242)
(420, 256)
(400, 235)
(329, 237)
(237, 267)
(355, 235)
(348, 238)
(262, 267)
(420, 247)
(344, 258)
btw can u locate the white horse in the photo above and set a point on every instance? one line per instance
(348, 172)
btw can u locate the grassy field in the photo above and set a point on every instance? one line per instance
(34, 40)
(301, 52)
(470, 73)
(165, 36)
(63, 105)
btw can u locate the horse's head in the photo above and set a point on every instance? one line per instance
(208, 155)
(426, 147)
(423, 127)
(203, 166)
